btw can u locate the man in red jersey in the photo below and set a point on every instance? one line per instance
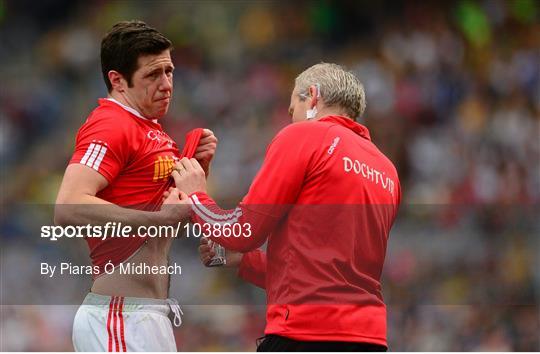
(118, 172)
(325, 199)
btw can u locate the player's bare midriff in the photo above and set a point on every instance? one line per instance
(154, 252)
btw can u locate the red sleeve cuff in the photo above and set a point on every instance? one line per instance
(200, 197)
(106, 174)
(198, 213)
(252, 268)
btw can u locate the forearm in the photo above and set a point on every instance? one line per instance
(88, 209)
(254, 226)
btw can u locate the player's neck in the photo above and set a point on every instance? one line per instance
(122, 99)
(330, 111)
(124, 102)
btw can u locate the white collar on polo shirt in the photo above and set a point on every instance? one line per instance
(131, 110)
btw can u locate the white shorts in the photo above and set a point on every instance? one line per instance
(116, 323)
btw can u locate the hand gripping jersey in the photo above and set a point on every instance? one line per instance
(136, 157)
(325, 199)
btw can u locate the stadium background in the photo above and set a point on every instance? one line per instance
(453, 98)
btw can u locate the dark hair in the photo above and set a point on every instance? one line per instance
(125, 43)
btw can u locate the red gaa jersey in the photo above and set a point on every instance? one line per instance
(325, 199)
(136, 157)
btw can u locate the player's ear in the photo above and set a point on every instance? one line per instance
(117, 81)
(315, 94)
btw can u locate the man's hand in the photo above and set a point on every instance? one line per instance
(206, 253)
(206, 150)
(175, 208)
(189, 176)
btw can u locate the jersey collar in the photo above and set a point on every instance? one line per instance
(131, 110)
(349, 124)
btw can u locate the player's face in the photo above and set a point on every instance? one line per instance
(152, 85)
(298, 107)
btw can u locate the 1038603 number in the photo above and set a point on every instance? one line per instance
(218, 230)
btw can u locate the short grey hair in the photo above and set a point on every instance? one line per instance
(338, 87)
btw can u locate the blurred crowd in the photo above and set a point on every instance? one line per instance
(453, 98)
